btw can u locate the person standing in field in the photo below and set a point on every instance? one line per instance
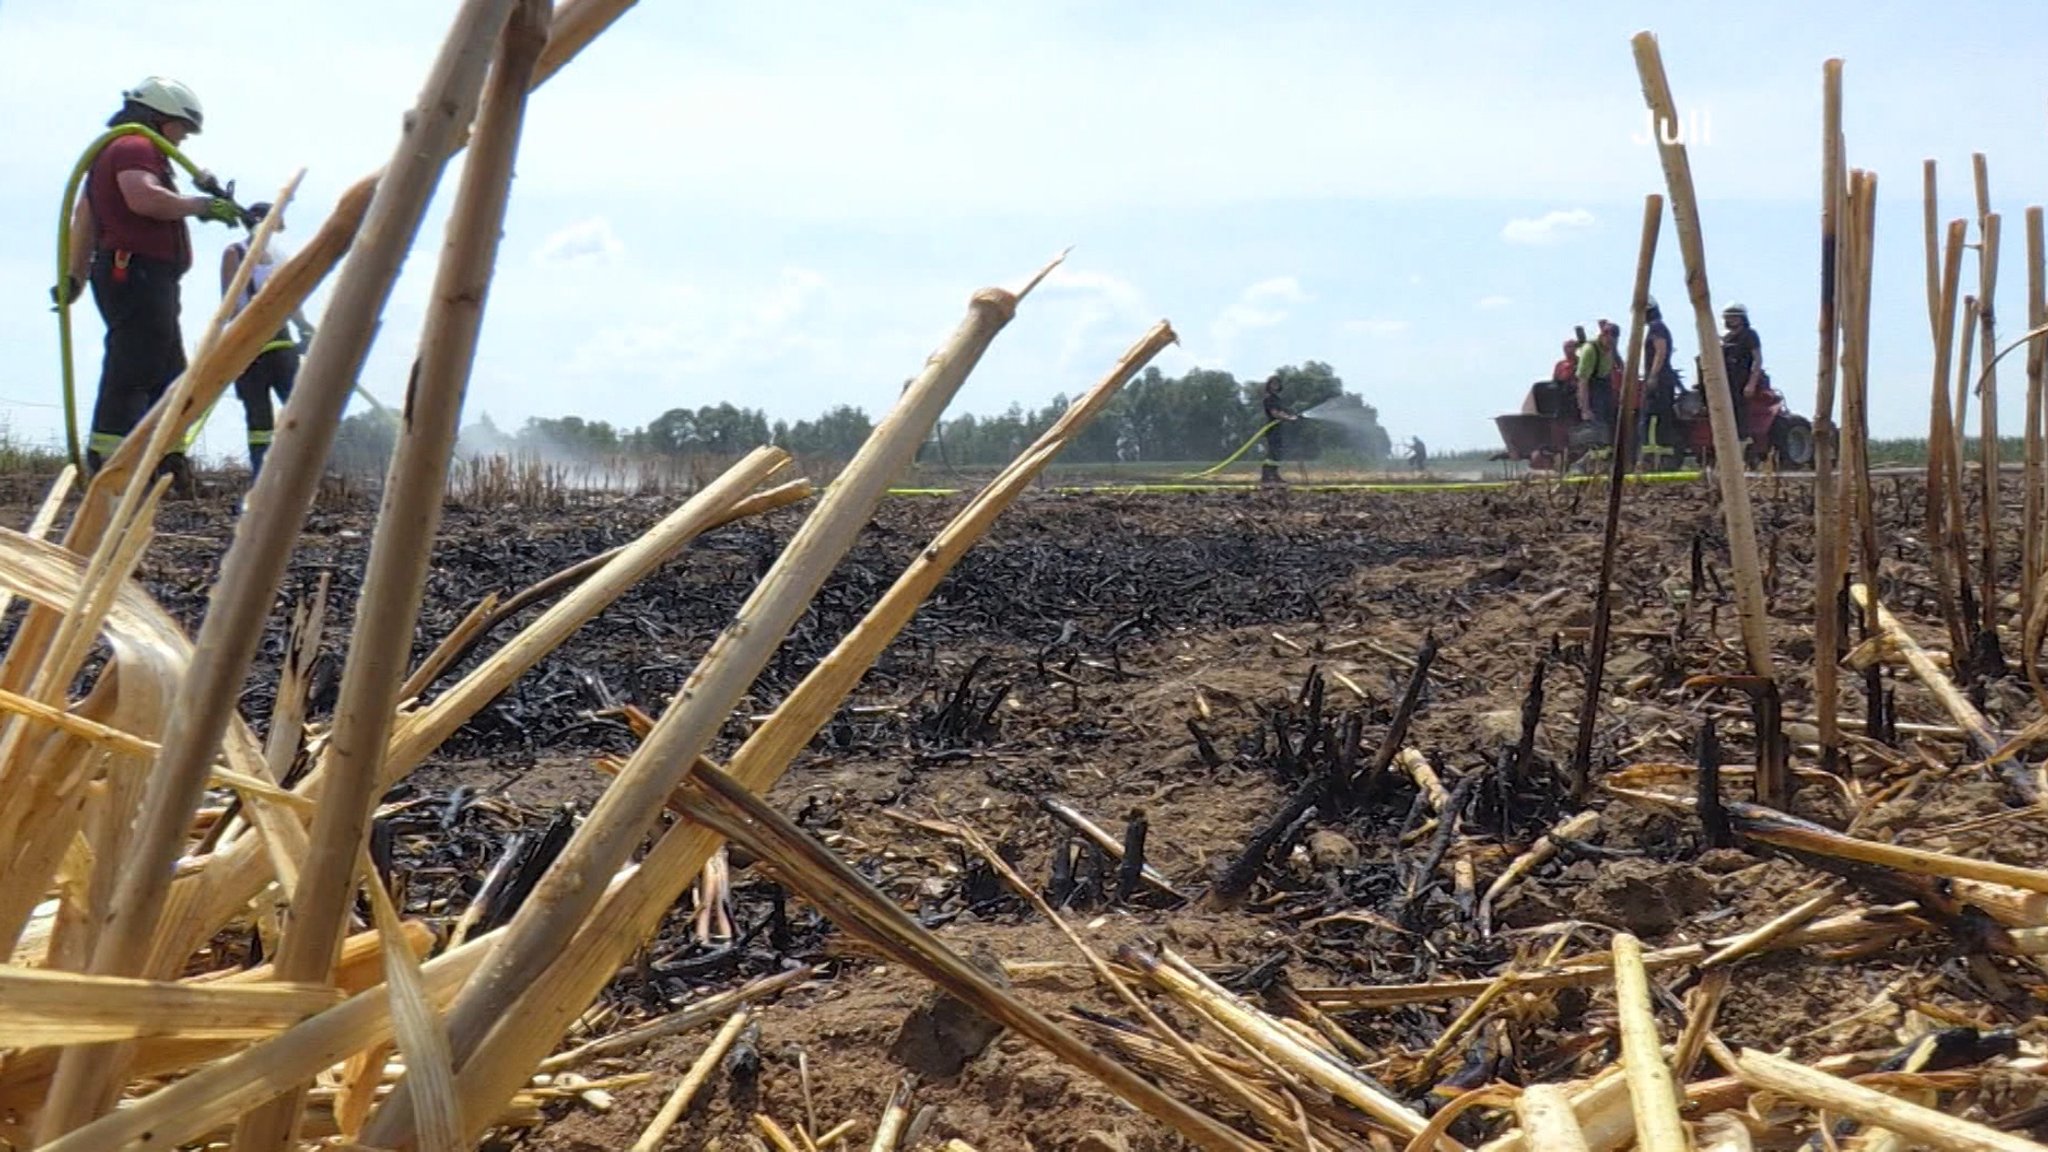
(1742, 354)
(1660, 383)
(277, 366)
(1598, 362)
(1277, 416)
(131, 242)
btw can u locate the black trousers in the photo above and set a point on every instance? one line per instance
(1662, 404)
(1274, 441)
(273, 372)
(1600, 395)
(145, 351)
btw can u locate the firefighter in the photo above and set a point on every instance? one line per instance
(131, 241)
(1598, 362)
(1277, 415)
(1661, 383)
(277, 366)
(1742, 354)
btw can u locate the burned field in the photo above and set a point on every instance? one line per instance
(1337, 733)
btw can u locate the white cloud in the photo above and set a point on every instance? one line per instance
(1494, 303)
(1092, 306)
(668, 331)
(1263, 305)
(1549, 228)
(797, 287)
(1378, 328)
(585, 244)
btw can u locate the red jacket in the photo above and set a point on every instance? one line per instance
(1566, 370)
(121, 228)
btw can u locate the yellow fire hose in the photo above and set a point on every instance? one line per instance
(1227, 461)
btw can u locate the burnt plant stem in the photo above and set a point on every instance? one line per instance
(1439, 844)
(1062, 884)
(1532, 716)
(1204, 747)
(1624, 444)
(1713, 817)
(1397, 731)
(1236, 881)
(1132, 870)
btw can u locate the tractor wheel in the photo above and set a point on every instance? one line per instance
(1792, 439)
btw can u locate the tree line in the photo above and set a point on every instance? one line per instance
(1202, 416)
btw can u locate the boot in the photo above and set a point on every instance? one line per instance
(184, 486)
(256, 454)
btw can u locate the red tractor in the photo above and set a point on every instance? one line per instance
(1549, 435)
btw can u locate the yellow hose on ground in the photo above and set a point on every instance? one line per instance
(1393, 488)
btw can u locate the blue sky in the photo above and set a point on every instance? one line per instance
(787, 205)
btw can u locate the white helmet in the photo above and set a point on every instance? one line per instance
(169, 97)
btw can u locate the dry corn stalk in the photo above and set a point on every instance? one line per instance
(394, 582)
(1280, 1044)
(2033, 541)
(1650, 1086)
(842, 894)
(1983, 739)
(1926, 1126)
(1987, 391)
(1545, 1112)
(685, 1094)
(1749, 587)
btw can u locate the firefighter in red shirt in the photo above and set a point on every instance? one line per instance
(131, 242)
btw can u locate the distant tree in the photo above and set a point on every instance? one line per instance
(1201, 416)
(724, 430)
(837, 435)
(570, 436)
(672, 433)
(364, 443)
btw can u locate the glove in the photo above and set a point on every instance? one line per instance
(61, 295)
(305, 338)
(219, 211)
(208, 183)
